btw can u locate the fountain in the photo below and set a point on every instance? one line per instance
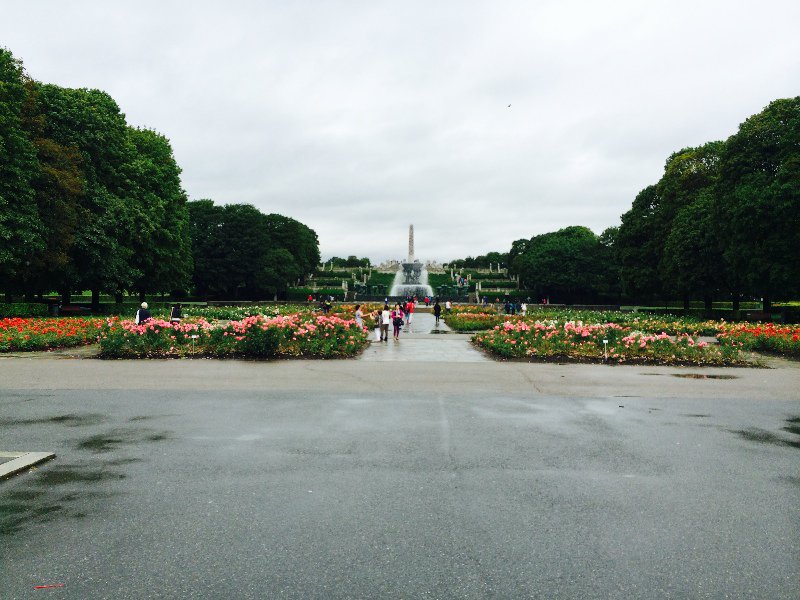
(411, 278)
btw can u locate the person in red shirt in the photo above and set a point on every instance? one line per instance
(409, 311)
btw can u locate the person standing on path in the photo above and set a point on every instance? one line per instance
(437, 311)
(409, 311)
(359, 316)
(386, 317)
(397, 321)
(448, 307)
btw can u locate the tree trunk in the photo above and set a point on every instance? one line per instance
(708, 305)
(66, 297)
(736, 301)
(95, 299)
(686, 304)
(141, 296)
(9, 298)
(766, 304)
(118, 298)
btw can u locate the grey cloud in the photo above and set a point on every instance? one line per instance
(360, 118)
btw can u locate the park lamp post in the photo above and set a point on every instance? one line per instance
(605, 350)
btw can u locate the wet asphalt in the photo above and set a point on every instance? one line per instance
(364, 480)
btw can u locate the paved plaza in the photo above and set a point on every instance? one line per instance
(420, 470)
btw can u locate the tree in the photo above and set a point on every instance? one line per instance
(566, 265)
(691, 258)
(239, 252)
(162, 255)
(58, 186)
(21, 228)
(638, 245)
(759, 200)
(91, 121)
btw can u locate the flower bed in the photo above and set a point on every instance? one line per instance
(18, 334)
(575, 341)
(770, 337)
(295, 335)
(472, 321)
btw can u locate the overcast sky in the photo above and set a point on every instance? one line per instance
(359, 118)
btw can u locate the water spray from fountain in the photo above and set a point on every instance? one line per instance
(411, 278)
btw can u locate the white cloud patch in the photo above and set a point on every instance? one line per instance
(360, 118)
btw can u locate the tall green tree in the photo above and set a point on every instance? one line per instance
(91, 121)
(58, 187)
(759, 200)
(241, 253)
(162, 259)
(565, 265)
(21, 229)
(691, 262)
(639, 246)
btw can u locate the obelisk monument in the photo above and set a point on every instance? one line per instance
(411, 243)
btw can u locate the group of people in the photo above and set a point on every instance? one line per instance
(395, 317)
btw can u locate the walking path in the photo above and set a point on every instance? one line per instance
(422, 341)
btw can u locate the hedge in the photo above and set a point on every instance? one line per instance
(23, 309)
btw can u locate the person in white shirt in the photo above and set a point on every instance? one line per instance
(386, 319)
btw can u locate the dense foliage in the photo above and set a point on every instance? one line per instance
(723, 221)
(88, 202)
(484, 261)
(240, 252)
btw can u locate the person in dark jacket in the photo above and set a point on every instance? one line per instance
(437, 311)
(143, 314)
(175, 315)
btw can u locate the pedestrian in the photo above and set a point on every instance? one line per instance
(409, 311)
(437, 311)
(397, 320)
(386, 318)
(143, 314)
(359, 316)
(448, 306)
(326, 306)
(310, 298)
(523, 308)
(175, 315)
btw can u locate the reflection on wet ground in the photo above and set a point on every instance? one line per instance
(762, 436)
(106, 442)
(691, 375)
(58, 491)
(70, 420)
(69, 490)
(703, 376)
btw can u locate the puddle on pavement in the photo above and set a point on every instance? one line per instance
(762, 436)
(63, 475)
(697, 416)
(793, 425)
(71, 420)
(107, 442)
(60, 491)
(702, 376)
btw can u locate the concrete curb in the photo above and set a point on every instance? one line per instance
(22, 461)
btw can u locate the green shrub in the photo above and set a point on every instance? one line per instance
(22, 309)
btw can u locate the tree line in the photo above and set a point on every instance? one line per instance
(88, 202)
(722, 222)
